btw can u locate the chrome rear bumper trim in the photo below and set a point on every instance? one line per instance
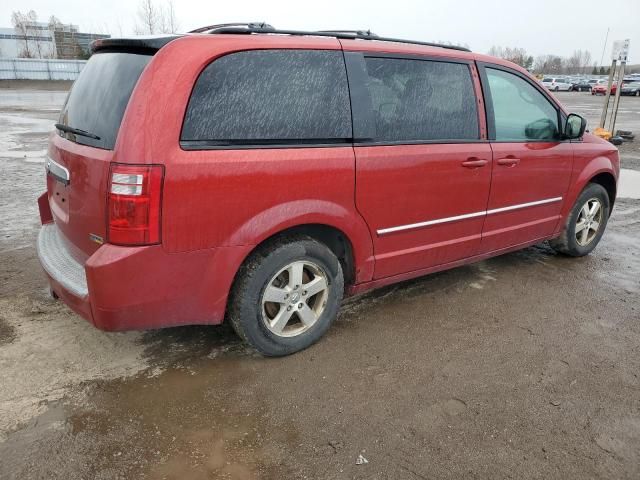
(58, 262)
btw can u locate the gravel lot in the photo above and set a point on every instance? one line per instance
(523, 366)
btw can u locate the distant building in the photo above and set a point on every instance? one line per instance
(37, 43)
(71, 43)
(42, 40)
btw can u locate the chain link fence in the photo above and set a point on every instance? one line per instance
(40, 69)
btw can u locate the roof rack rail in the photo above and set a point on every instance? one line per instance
(346, 35)
(364, 33)
(246, 25)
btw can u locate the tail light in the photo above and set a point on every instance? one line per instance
(134, 204)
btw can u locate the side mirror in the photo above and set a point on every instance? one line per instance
(575, 126)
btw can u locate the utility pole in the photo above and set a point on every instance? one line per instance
(604, 47)
(603, 116)
(614, 113)
(620, 53)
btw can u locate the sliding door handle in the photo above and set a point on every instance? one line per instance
(509, 161)
(474, 162)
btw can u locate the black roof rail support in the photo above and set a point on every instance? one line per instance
(247, 25)
(335, 34)
(363, 33)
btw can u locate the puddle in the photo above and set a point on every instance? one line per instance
(52, 350)
(210, 421)
(629, 184)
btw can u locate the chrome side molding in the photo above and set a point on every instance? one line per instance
(401, 228)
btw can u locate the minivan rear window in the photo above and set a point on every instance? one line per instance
(100, 96)
(259, 97)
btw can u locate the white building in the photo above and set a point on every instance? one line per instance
(39, 42)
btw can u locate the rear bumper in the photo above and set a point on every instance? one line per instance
(58, 262)
(138, 288)
(66, 276)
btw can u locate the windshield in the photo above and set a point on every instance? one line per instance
(99, 97)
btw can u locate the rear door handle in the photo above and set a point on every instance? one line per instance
(474, 162)
(509, 161)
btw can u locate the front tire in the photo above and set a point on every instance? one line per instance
(286, 295)
(585, 224)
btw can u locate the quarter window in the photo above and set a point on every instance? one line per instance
(270, 96)
(421, 100)
(520, 111)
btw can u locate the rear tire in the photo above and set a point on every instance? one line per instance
(585, 224)
(286, 295)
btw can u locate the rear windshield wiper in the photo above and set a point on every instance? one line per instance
(77, 131)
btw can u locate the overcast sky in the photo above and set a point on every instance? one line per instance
(539, 26)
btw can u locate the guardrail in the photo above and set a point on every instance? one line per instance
(40, 69)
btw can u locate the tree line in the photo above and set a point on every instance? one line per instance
(34, 40)
(154, 17)
(32, 44)
(579, 62)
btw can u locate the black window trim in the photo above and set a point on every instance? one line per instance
(488, 102)
(363, 118)
(199, 145)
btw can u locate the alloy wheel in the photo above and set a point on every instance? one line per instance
(295, 298)
(588, 222)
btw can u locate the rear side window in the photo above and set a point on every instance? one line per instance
(270, 97)
(421, 100)
(520, 111)
(100, 96)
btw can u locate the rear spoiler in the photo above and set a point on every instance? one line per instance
(149, 44)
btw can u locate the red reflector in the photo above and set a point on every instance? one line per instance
(134, 204)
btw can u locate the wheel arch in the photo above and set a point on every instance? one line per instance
(336, 239)
(328, 222)
(608, 181)
(601, 170)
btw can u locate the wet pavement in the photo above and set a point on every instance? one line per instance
(523, 366)
(590, 107)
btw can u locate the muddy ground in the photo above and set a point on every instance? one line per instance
(523, 366)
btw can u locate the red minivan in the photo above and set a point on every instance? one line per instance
(259, 175)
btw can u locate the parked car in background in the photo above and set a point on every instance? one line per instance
(600, 88)
(631, 89)
(580, 85)
(282, 171)
(556, 84)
